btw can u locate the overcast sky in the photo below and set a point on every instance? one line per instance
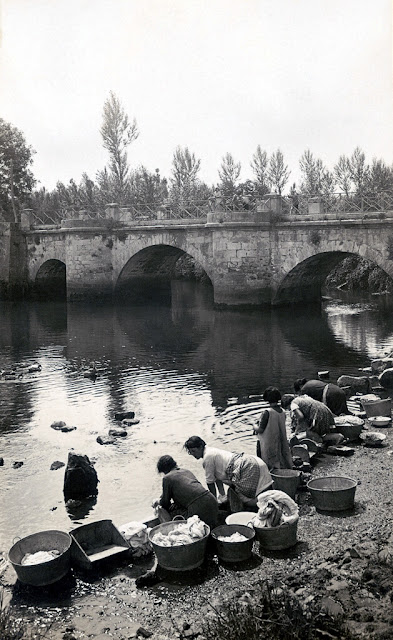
(213, 75)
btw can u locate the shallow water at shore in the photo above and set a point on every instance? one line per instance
(185, 369)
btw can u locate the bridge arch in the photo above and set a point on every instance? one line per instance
(148, 274)
(50, 281)
(304, 282)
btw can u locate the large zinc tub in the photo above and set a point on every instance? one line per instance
(180, 557)
(45, 572)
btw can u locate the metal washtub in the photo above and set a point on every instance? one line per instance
(277, 538)
(98, 542)
(286, 480)
(333, 493)
(349, 426)
(180, 557)
(46, 572)
(377, 407)
(233, 551)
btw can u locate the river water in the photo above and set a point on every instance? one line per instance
(185, 370)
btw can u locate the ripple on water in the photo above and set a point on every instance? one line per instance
(202, 377)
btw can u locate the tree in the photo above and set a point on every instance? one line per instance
(186, 190)
(148, 188)
(278, 173)
(16, 177)
(358, 170)
(185, 168)
(259, 165)
(117, 134)
(88, 194)
(311, 169)
(229, 175)
(342, 174)
(379, 177)
(46, 204)
(108, 191)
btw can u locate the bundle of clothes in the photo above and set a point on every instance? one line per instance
(137, 534)
(275, 508)
(39, 557)
(186, 532)
(234, 537)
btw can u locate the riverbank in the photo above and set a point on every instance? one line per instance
(358, 274)
(342, 562)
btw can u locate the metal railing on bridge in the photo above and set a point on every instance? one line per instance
(293, 205)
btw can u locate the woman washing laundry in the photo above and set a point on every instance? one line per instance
(313, 417)
(183, 494)
(330, 394)
(272, 443)
(246, 475)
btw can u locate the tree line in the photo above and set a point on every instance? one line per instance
(142, 187)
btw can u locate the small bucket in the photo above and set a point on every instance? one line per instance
(233, 551)
(240, 517)
(44, 573)
(286, 480)
(182, 557)
(333, 493)
(277, 538)
(377, 407)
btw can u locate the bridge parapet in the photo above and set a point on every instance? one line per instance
(270, 208)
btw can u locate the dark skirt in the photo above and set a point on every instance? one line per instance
(205, 506)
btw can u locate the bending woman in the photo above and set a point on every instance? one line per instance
(183, 494)
(246, 475)
(313, 417)
(330, 394)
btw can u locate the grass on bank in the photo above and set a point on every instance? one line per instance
(271, 612)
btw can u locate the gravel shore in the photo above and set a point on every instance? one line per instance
(343, 561)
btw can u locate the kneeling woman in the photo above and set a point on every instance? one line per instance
(183, 494)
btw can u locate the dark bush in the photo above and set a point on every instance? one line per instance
(272, 612)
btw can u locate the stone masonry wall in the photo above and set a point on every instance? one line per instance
(241, 264)
(250, 262)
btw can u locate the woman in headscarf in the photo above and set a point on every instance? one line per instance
(246, 475)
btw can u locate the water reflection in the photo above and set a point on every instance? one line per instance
(353, 322)
(79, 509)
(185, 369)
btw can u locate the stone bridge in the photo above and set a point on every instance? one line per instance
(251, 257)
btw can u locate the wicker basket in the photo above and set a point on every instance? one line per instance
(333, 493)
